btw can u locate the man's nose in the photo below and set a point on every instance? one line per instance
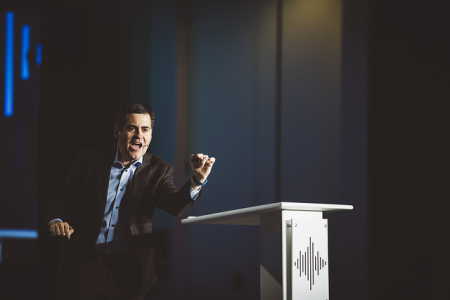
(139, 133)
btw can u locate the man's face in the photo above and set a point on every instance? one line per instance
(134, 138)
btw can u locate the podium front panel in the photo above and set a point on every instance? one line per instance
(309, 259)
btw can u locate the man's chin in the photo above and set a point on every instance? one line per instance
(135, 155)
(131, 156)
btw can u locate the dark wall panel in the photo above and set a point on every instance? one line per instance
(311, 78)
(408, 149)
(223, 116)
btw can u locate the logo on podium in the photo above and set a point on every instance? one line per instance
(309, 263)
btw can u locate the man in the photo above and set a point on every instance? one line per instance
(104, 209)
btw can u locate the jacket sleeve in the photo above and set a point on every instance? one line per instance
(170, 199)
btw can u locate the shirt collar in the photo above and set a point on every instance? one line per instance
(118, 164)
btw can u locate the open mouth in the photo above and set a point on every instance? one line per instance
(136, 146)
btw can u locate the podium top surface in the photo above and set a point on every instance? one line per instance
(251, 215)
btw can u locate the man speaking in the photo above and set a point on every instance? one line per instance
(104, 209)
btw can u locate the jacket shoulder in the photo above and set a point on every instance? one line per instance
(157, 160)
(156, 163)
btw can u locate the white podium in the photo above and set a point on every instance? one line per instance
(294, 246)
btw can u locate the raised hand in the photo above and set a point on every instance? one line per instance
(201, 165)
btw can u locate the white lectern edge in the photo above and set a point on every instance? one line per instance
(251, 215)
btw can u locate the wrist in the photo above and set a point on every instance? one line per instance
(198, 182)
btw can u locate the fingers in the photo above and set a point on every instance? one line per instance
(68, 230)
(199, 160)
(210, 161)
(55, 228)
(58, 228)
(202, 161)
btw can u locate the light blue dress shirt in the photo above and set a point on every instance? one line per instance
(120, 178)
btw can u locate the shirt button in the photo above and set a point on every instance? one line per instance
(121, 189)
(113, 225)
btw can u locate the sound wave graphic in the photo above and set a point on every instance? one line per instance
(309, 263)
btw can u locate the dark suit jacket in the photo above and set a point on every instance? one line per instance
(80, 200)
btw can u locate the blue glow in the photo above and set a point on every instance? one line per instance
(19, 234)
(25, 67)
(39, 54)
(9, 64)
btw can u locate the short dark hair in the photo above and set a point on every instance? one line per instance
(132, 108)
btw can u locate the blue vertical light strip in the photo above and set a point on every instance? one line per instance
(39, 54)
(9, 64)
(25, 67)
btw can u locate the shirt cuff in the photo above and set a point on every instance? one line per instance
(194, 193)
(53, 221)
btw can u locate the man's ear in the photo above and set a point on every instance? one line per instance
(116, 132)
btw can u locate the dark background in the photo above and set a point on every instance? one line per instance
(342, 102)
